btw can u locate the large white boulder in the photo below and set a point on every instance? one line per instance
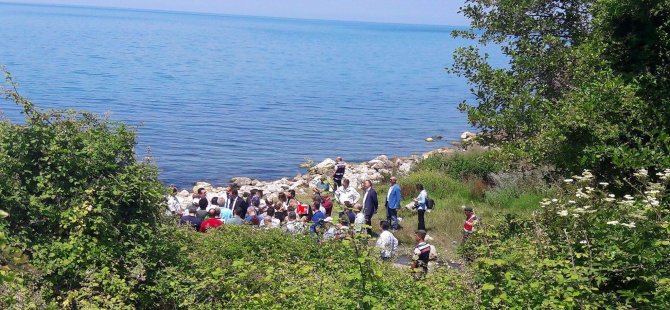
(241, 181)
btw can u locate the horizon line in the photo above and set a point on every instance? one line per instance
(116, 8)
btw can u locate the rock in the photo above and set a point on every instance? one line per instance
(297, 184)
(183, 193)
(429, 139)
(323, 167)
(208, 187)
(382, 158)
(241, 181)
(468, 136)
(405, 168)
(255, 182)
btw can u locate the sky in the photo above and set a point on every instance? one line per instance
(434, 12)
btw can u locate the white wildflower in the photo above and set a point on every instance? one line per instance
(568, 180)
(604, 183)
(613, 223)
(642, 173)
(628, 197)
(563, 213)
(629, 225)
(610, 199)
(572, 201)
(575, 215)
(652, 192)
(578, 210)
(554, 200)
(587, 207)
(583, 242)
(610, 195)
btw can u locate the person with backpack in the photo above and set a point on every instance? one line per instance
(420, 202)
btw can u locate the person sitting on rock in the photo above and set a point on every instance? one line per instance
(294, 226)
(236, 219)
(343, 230)
(269, 220)
(317, 216)
(349, 212)
(360, 218)
(346, 193)
(321, 185)
(280, 212)
(191, 219)
(251, 217)
(226, 213)
(202, 211)
(214, 220)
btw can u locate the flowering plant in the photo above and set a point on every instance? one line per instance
(587, 248)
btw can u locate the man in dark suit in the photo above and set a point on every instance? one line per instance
(235, 201)
(370, 204)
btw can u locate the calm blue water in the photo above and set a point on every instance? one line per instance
(220, 96)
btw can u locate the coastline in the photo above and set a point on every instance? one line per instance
(375, 170)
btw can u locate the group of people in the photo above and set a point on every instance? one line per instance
(294, 217)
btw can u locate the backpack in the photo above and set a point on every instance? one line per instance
(430, 203)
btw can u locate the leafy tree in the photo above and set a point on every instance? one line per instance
(586, 85)
(80, 205)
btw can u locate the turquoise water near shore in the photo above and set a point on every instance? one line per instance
(220, 96)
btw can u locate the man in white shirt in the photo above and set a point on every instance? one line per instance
(386, 243)
(347, 193)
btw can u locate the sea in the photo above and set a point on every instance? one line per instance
(217, 96)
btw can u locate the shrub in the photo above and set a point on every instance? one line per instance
(471, 164)
(585, 248)
(82, 207)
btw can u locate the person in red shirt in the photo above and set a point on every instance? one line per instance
(214, 220)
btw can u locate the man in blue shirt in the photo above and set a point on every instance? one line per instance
(316, 217)
(393, 203)
(191, 219)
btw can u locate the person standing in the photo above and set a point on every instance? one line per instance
(386, 243)
(471, 220)
(235, 201)
(338, 172)
(420, 203)
(393, 203)
(421, 252)
(370, 203)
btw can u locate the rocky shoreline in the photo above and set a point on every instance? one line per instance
(375, 170)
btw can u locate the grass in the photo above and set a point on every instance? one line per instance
(455, 181)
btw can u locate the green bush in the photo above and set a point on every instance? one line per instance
(436, 183)
(584, 249)
(81, 206)
(463, 165)
(243, 267)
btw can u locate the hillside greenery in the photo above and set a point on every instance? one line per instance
(573, 195)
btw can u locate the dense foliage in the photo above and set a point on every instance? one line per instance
(80, 206)
(586, 85)
(586, 248)
(242, 267)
